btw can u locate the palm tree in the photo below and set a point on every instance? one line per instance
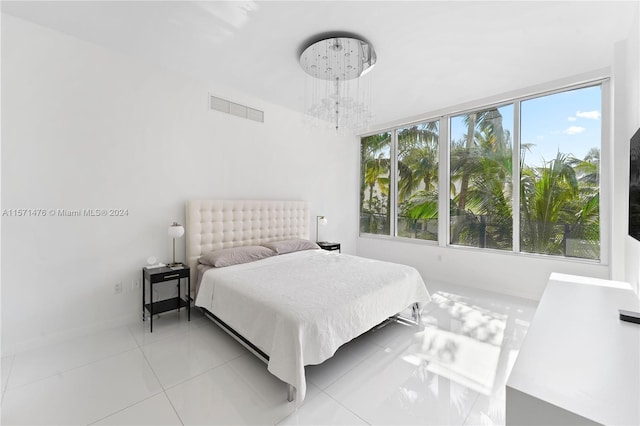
(371, 148)
(488, 120)
(422, 207)
(418, 176)
(546, 196)
(417, 159)
(586, 207)
(481, 172)
(490, 193)
(374, 176)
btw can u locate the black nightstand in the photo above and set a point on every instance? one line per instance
(160, 275)
(324, 245)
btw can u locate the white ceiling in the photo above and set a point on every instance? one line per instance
(431, 54)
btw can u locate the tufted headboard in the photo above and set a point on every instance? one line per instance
(217, 224)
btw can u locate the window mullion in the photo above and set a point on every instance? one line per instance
(515, 177)
(443, 183)
(393, 185)
(605, 189)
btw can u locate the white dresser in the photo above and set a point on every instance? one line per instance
(578, 364)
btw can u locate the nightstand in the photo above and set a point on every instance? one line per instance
(160, 275)
(324, 245)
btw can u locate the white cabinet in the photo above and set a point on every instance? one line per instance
(578, 364)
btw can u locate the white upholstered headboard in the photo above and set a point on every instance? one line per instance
(217, 224)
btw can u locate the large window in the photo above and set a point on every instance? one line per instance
(481, 154)
(418, 181)
(523, 176)
(375, 177)
(560, 174)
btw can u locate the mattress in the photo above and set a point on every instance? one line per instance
(299, 308)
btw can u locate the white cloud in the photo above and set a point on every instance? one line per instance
(592, 115)
(573, 130)
(571, 118)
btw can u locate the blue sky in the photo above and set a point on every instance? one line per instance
(569, 122)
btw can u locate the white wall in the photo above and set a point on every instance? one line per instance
(515, 274)
(526, 275)
(87, 128)
(627, 107)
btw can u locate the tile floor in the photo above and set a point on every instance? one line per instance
(452, 370)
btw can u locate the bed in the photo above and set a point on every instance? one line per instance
(297, 305)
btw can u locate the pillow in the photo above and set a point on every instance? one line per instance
(235, 256)
(288, 246)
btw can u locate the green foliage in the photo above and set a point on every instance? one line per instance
(374, 183)
(559, 201)
(418, 160)
(560, 207)
(481, 169)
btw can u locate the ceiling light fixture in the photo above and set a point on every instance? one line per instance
(337, 93)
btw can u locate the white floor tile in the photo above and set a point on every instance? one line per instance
(505, 364)
(347, 357)
(82, 395)
(5, 367)
(38, 364)
(396, 387)
(166, 325)
(322, 410)
(155, 411)
(517, 327)
(187, 354)
(226, 395)
(389, 334)
(396, 374)
(494, 302)
(487, 412)
(254, 372)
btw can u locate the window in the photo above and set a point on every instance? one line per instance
(418, 181)
(375, 177)
(480, 174)
(560, 174)
(550, 144)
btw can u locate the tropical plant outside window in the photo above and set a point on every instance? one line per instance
(560, 175)
(557, 164)
(418, 181)
(480, 174)
(375, 176)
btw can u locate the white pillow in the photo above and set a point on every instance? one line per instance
(288, 246)
(235, 256)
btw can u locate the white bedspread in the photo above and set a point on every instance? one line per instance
(300, 307)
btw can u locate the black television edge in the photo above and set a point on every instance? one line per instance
(634, 186)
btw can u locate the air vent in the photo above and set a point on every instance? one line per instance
(233, 108)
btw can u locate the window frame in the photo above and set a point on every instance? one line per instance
(394, 207)
(444, 117)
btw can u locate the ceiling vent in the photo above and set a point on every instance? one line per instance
(233, 108)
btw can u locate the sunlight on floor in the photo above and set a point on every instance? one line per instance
(462, 342)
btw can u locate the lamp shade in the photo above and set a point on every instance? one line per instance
(320, 220)
(176, 230)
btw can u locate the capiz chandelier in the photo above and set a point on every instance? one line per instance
(336, 92)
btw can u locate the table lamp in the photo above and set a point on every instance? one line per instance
(175, 231)
(319, 220)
